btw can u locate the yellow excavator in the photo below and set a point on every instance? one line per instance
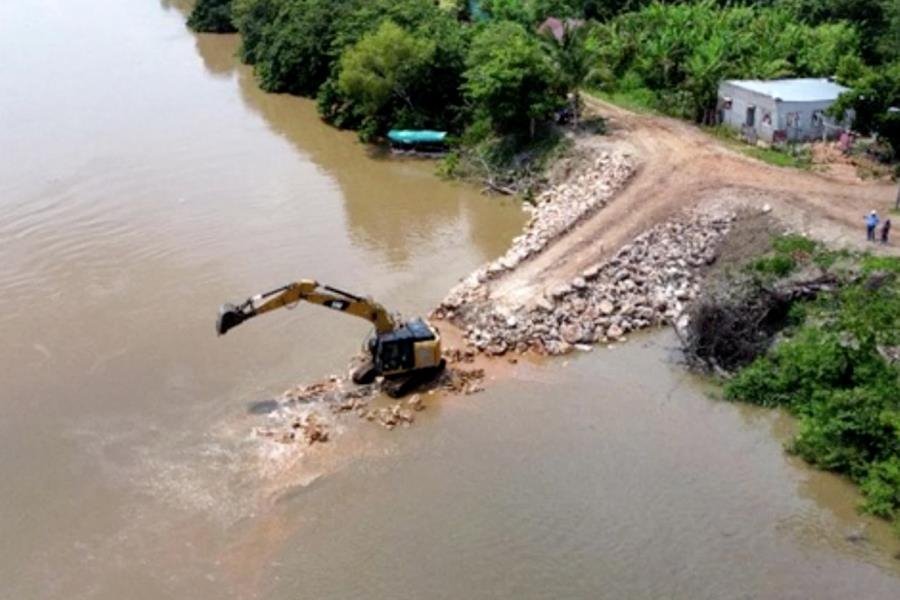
(406, 354)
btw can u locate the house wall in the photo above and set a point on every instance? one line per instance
(805, 121)
(766, 114)
(791, 121)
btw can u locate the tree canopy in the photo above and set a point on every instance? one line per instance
(212, 16)
(380, 72)
(509, 78)
(375, 64)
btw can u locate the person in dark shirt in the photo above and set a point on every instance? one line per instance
(885, 231)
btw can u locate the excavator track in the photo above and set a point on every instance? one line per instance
(401, 385)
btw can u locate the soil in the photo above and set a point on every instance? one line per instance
(750, 236)
(678, 167)
(828, 158)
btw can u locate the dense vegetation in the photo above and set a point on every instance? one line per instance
(376, 64)
(834, 368)
(213, 16)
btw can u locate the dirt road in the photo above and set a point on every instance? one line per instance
(678, 167)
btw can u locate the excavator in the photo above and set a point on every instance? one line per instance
(405, 354)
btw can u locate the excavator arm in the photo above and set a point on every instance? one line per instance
(305, 290)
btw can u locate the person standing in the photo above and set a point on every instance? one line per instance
(871, 223)
(885, 231)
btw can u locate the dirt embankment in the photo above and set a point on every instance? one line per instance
(633, 259)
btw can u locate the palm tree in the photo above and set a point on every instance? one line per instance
(576, 54)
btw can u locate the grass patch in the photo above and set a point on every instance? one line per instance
(888, 264)
(639, 100)
(790, 252)
(792, 156)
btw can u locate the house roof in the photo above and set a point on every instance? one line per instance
(793, 90)
(558, 27)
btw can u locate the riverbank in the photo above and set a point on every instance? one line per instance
(816, 331)
(134, 205)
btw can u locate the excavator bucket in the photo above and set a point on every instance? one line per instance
(229, 316)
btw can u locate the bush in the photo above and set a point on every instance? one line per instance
(379, 71)
(794, 244)
(847, 430)
(291, 48)
(510, 79)
(792, 373)
(882, 488)
(832, 373)
(213, 16)
(778, 265)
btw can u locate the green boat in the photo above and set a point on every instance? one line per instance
(418, 140)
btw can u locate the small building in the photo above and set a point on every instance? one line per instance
(558, 28)
(780, 110)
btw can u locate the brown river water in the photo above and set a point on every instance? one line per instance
(144, 180)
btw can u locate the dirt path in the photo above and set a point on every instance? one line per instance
(679, 167)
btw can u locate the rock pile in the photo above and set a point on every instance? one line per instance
(648, 282)
(308, 413)
(556, 211)
(308, 428)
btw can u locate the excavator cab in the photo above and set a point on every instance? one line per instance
(408, 356)
(409, 347)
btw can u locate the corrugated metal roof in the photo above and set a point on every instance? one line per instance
(793, 90)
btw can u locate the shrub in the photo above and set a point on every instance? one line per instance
(793, 244)
(778, 265)
(510, 79)
(213, 16)
(882, 487)
(833, 374)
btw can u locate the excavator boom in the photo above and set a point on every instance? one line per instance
(306, 290)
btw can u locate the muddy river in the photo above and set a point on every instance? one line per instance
(144, 180)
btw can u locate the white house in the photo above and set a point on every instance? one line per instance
(781, 109)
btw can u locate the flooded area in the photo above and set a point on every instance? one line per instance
(145, 180)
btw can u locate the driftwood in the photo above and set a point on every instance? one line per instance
(736, 319)
(509, 182)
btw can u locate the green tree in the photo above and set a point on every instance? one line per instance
(213, 16)
(253, 19)
(872, 97)
(872, 18)
(576, 55)
(380, 70)
(510, 79)
(292, 52)
(434, 96)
